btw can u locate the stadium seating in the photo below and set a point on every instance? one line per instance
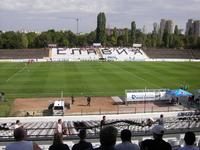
(172, 53)
(46, 129)
(23, 53)
(90, 54)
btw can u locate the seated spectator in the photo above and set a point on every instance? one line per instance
(108, 136)
(189, 139)
(58, 143)
(21, 143)
(18, 124)
(149, 122)
(126, 141)
(157, 143)
(142, 124)
(4, 126)
(82, 144)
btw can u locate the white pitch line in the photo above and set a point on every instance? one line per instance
(146, 80)
(12, 76)
(143, 79)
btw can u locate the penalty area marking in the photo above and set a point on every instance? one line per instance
(12, 76)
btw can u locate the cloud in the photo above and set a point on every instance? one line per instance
(119, 13)
(46, 6)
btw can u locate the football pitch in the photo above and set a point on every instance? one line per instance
(50, 79)
(94, 78)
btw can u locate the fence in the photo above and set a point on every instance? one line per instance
(120, 109)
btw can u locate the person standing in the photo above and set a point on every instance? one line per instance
(82, 144)
(103, 122)
(161, 120)
(88, 100)
(72, 99)
(126, 141)
(157, 143)
(60, 128)
(21, 143)
(189, 139)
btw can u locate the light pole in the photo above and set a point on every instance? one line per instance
(77, 23)
(77, 20)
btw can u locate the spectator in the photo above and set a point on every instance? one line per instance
(82, 144)
(103, 122)
(58, 143)
(4, 126)
(21, 143)
(108, 137)
(157, 143)
(126, 141)
(27, 114)
(189, 139)
(161, 120)
(18, 124)
(60, 128)
(149, 122)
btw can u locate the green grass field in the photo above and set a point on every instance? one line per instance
(93, 78)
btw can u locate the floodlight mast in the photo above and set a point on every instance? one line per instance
(77, 23)
(77, 20)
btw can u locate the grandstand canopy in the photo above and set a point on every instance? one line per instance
(178, 93)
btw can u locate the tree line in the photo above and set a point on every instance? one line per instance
(17, 40)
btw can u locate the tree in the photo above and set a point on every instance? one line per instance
(148, 40)
(120, 40)
(1, 41)
(10, 40)
(24, 41)
(166, 39)
(125, 37)
(133, 32)
(81, 40)
(198, 43)
(140, 37)
(91, 37)
(176, 31)
(177, 43)
(72, 39)
(154, 39)
(114, 37)
(31, 39)
(101, 29)
(42, 40)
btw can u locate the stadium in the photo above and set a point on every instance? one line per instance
(127, 84)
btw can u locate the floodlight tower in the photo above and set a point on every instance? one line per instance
(77, 20)
(77, 25)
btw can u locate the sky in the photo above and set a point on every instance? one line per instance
(41, 15)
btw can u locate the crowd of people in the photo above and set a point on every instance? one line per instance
(107, 137)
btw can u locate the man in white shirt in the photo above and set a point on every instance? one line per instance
(161, 120)
(21, 143)
(60, 127)
(126, 141)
